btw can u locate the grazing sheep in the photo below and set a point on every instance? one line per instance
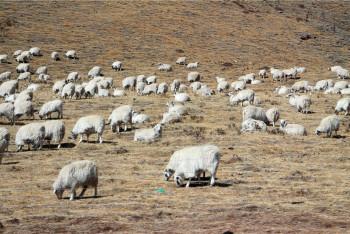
(68, 90)
(341, 84)
(195, 86)
(17, 53)
(342, 73)
(58, 86)
(263, 73)
(8, 87)
(3, 58)
(171, 117)
(118, 92)
(241, 96)
(23, 107)
(91, 89)
(175, 85)
(44, 77)
(4, 141)
(272, 115)
(332, 90)
(24, 76)
(148, 134)
(31, 134)
(192, 65)
(282, 90)
(193, 161)
(79, 91)
(302, 103)
(129, 82)
(324, 84)
(50, 107)
(54, 131)
(183, 88)
(177, 108)
(35, 51)
(290, 73)
(181, 61)
(255, 82)
(151, 80)
(248, 78)
(149, 89)
(5, 76)
(300, 70)
(88, 125)
(139, 118)
(238, 85)
(71, 54)
(205, 91)
(328, 125)
(292, 129)
(140, 86)
(23, 67)
(277, 75)
(120, 115)
(253, 112)
(117, 65)
(222, 86)
(300, 86)
(72, 77)
(95, 71)
(182, 97)
(41, 70)
(345, 91)
(25, 95)
(55, 56)
(8, 110)
(165, 67)
(252, 125)
(23, 57)
(103, 92)
(343, 105)
(105, 83)
(141, 78)
(74, 175)
(162, 88)
(193, 76)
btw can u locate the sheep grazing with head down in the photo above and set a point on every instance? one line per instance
(3, 58)
(151, 80)
(205, 91)
(129, 82)
(195, 86)
(44, 77)
(79, 91)
(165, 67)
(300, 86)
(31, 134)
(77, 174)
(24, 76)
(72, 77)
(262, 73)
(149, 89)
(192, 65)
(252, 125)
(23, 67)
(341, 72)
(7, 110)
(95, 71)
(120, 115)
(277, 75)
(182, 97)
(58, 86)
(55, 56)
(117, 65)
(54, 131)
(162, 88)
(175, 85)
(241, 96)
(50, 107)
(35, 51)
(23, 107)
(4, 141)
(181, 61)
(91, 89)
(302, 103)
(193, 76)
(148, 134)
(16, 53)
(324, 84)
(238, 85)
(192, 161)
(328, 125)
(41, 70)
(8, 87)
(5, 76)
(71, 54)
(292, 129)
(222, 84)
(68, 91)
(343, 105)
(248, 78)
(89, 125)
(139, 118)
(345, 91)
(342, 84)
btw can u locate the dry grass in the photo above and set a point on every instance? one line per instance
(266, 182)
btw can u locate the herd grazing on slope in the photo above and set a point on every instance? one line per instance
(185, 164)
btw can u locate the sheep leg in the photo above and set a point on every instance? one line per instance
(95, 192)
(81, 138)
(28, 147)
(125, 127)
(72, 194)
(87, 138)
(59, 145)
(100, 138)
(82, 192)
(188, 183)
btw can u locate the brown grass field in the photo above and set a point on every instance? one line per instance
(267, 182)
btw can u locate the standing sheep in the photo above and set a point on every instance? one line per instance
(5, 76)
(192, 65)
(35, 51)
(272, 115)
(95, 71)
(24, 76)
(343, 105)
(302, 103)
(263, 73)
(3, 58)
(292, 129)
(8, 110)
(23, 67)
(23, 107)
(55, 56)
(58, 86)
(181, 61)
(117, 65)
(41, 70)
(68, 90)
(162, 88)
(328, 125)
(50, 107)
(4, 141)
(175, 85)
(71, 54)
(241, 96)
(193, 76)
(31, 134)
(72, 77)
(8, 87)
(77, 174)
(54, 131)
(148, 134)
(129, 82)
(151, 80)
(88, 125)
(120, 115)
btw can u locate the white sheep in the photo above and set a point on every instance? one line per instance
(175, 85)
(272, 115)
(182, 97)
(238, 85)
(205, 91)
(71, 54)
(23, 67)
(292, 129)
(79, 91)
(302, 103)
(332, 90)
(248, 78)
(255, 82)
(102, 93)
(30, 134)
(3, 58)
(290, 73)
(149, 89)
(178, 108)
(16, 53)
(343, 105)
(165, 67)
(35, 51)
(195, 86)
(162, 88)
(341, 72)
(277, 75)
(141, 78)
(105, 82)
(192, 65)
(54, 131)
(68, 90)
(282, 90)
(23, 57)
(95, 71)
(4, 141)
(324, 84)
(139, 118)
(91, 89)
(222, 86)
(55, 56)
(181, 61)
(25, 95)
(120, 115)
(300, 70)
(72, 77)
(193, 161)
(8, 110)
(241, 96)
(252, 125)
(5, 76)
(171, 117)
(193, 76)
(151, 80)
(8, 87)
(50, 107)
(345, 91)
(77, 174)
(117, 65)
(58, 86)
(118, 92)
(328, 125)
(253, 112)
(140, 86)
(44, 77)
(24, 76)
(88, 125)
(129, 82)
(23, 107)
(148, 134)
(262, 73)
(300, 86)
(343, 84)
(41, 70)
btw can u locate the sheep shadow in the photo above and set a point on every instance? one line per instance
(338, 137)
(87, 197)
(10, 163)
(63, 145)
(9, 124)
(96, 142)
(205, 181)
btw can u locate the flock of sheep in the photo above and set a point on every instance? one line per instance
(185, 164)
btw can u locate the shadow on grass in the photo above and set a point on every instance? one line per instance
(10, 163)
(203, 182)
(87, 197)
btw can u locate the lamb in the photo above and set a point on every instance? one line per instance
(4, 141)
(24, 76)
(251, 125)
(292, 129)
(148, 134)
(17, 53)
(77, 174)
(151, 80)
(118, 92)
(140, 86)
(248, 78)
(71, 54)
(182, 97)
(324, 84)
(41, 70)
(343, 105)
(149, 89)
(68, 90)
(72, 77)
(171, 117)
(282, 90)
(181, 61)
(175, 85)
(328, 125)
(192, 65)
(302, 103)
(129, 82)
(58, 86)
(3, 58)
(55, 56)
(300, 86)
(177, 108)
(253, 112)
(193, 76)
(8, 87)
(139, 118)
(5, 76)
(117, 65)
(263, 73)
(165, 67)
(54, 131)
(195, 86)
(23, 67)
(190, 162)
(162, 88)
(95, 71)
(277, 75)
(341, 84)
(35, 51)
(241, 96)
(8, 110)
(91, 89)
(88, 125)
(272, 115)
(238, 85)
(120, 115)
(50, 107)
(31, 134)
(23, 107)
(44, 77)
